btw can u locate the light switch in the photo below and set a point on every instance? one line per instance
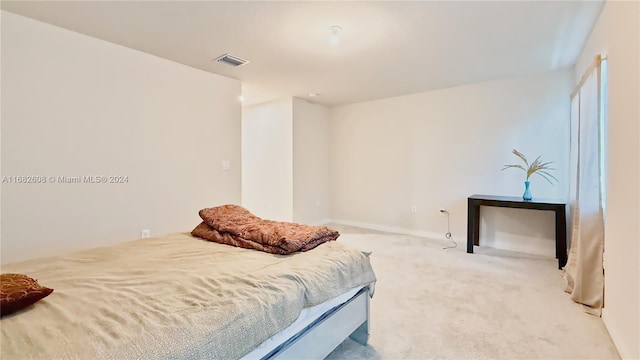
(226, 165)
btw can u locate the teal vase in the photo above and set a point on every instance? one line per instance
(527, 193)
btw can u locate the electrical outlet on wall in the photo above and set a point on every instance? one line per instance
(414, 209)
(145, 233)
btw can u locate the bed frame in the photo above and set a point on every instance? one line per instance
(320, 338)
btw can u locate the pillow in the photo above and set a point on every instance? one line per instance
(19, 291)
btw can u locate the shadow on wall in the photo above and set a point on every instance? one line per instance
(527, 231)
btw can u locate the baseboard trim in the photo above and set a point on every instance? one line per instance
(320, 222)
(391, 229)
(614, 333)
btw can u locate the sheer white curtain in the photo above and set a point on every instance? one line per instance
(584, 273)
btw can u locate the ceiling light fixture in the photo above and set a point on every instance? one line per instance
(335, 34)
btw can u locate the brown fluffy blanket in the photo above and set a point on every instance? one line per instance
(235, 225)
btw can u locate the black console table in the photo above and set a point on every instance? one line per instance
(557, 206)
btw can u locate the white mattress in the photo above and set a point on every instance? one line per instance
(307, 316)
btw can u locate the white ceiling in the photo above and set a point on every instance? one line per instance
(387, 48)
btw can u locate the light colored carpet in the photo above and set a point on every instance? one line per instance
(447, 304)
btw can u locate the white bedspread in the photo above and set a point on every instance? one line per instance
(174, 296)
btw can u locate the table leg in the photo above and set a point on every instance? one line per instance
(561, 237)
(473, 225)
(476, 223)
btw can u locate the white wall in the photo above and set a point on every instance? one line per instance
(0, 136)
(73, 106)
(285, 160)
(267, 157)
(616, 35)
(434, 149)
(310, 162)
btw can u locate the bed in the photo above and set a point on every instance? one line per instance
(180, 297)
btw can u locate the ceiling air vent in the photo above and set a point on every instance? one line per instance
(231, 60)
